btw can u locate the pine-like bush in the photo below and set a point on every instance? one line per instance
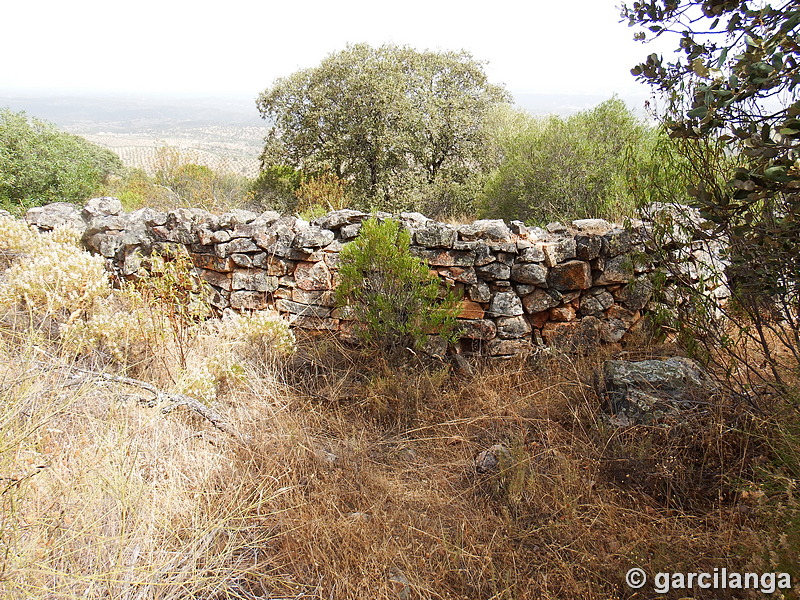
(393, 297)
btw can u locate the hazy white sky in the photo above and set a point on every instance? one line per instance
(241, 46)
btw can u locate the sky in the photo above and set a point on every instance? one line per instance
(240, 47)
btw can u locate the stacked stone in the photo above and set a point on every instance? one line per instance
(522, 287)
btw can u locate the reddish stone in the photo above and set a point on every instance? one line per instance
(538, 320)
(462, 274)
(571, 275)
(312, 276)
(558, 332)
(562, 313)
(220, 280)
(213, 263)
(470, 310)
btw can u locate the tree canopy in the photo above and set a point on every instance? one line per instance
(40, 164)
(735, 79)
(389, 121)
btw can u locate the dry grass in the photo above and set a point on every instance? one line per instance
(344, 490)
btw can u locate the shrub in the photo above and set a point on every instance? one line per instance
(40, 164)
(396, 301)
(56, 274)
(321, 194)
(275, 188)
(198, 186)
(554, 168)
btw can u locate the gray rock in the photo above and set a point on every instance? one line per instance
(479, 292)
(148, 216)
(619, 241)
(338, 218)
(399, 584)
(308, 310)
(505, 304)
(485, 229)
(518, 228)
(646, 391)
(588, 247)
(235, 217)
(513, 327)
(494, 271)
(540, 300)
(532, 254)
(102, 207)
(277, 240)
(495, 458)
(436, 235)
(636, 294)
(596, 303)
(348, 232)
(56, 214)
(254, 279)
(530, 273)
(313, 237)
(237, 245)
(558, 251)
(618, 269)
(597, 226)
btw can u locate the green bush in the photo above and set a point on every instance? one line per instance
(198, 186)
(552, 168)
(40, 164)
(275, 188)
(395, 300)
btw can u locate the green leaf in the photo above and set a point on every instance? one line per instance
(777, 173)
(698, 113)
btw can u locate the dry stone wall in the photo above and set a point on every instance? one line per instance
(566, 286)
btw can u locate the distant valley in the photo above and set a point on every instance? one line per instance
(224, 133)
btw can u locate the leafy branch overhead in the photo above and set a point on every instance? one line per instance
(736, 76)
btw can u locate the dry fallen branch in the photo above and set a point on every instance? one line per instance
(172, 401)
(168, 402)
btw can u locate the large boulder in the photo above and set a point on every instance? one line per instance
(646, 391)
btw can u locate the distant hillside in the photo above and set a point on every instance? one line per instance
(128, 114)
(224, 133)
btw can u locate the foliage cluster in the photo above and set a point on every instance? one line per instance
(391, 121)
(40, 164)
(393, 297)
(191, 185)
(731, 103)
(179, 183)
(50, 273)
(554, 168)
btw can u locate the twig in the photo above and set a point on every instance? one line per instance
(172, 401)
